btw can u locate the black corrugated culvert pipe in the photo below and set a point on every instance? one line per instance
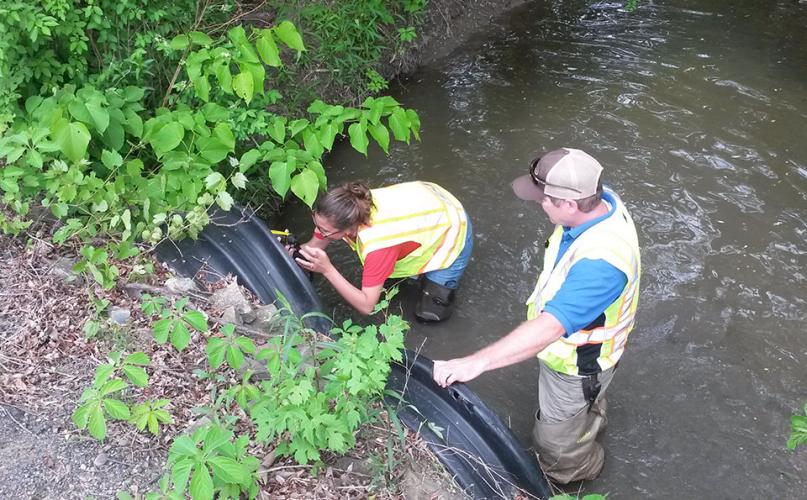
(471, 441)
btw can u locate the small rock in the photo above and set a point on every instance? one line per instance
(230, 316)
(264, 315)
(180, 285)
(231, 295)
(350, 465)
(120, 315)
(248, 316)
(100, 460)
(63, 268)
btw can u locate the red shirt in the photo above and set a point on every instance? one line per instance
(379, 264)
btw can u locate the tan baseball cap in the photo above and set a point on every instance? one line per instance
(565, 174)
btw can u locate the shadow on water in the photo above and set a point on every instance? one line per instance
(697, 112)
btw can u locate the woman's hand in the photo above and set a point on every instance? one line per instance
(316, 260)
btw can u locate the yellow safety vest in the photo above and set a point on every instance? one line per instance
(613, 240)
(414, 211)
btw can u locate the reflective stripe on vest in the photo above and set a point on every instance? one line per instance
(613, 240)
(415, 211)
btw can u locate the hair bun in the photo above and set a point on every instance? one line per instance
(359, 190)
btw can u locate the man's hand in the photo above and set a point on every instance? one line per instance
(458, 370)
(316, 260)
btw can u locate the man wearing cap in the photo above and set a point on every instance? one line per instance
(578, 317)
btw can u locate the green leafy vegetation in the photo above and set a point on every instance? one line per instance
(315, 394)
(148, 116)
(212, 462)
(174, 321)
(101, 401)
(798, 430)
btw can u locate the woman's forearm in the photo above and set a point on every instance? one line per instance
(358, 299)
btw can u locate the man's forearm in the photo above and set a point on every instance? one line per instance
(524, 342)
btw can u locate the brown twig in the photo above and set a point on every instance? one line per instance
(16, 421)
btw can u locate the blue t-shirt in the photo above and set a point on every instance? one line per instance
(591, 285)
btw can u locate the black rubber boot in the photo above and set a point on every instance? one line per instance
(436, 302)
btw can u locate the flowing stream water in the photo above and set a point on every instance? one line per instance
(697, 111)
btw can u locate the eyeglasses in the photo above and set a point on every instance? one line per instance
(324, 234)
(541, 182)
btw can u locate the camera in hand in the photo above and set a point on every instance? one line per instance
(295, 252)
(295, 248)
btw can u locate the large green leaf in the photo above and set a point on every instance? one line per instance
(258, 72)
(288, 34)
(317, 168)
(312, 144)
(184, 446)
(414, 122)
(280, 175)
(216, 348)
(248, 159)
(133, 123)
(202, 86)
(212, 149)
(243, 85)
(277, 129)
(111, 159)
(161, 329)
(179, 42)
(267, 48)
(117, 409)
(200, 38)
(358, 137)
(298, 126)
(222, 71)
(100, 116)
(114, 135)
(381, 135)
(181, 471)
(225, 135)
(180, 336)
(229, 470)
(376, 109)
(196, 319)
(167, 138)
(137, 358)
(97, 423)
(235, 358)
(82, 415)
(327, 134)
(133, 94)
(306, 185)
(399, 124)
(136, 375)
(201, 483)
(72, 138)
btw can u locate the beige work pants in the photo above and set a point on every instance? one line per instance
(565, 431)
